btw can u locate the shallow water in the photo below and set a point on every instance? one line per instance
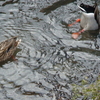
(49, 60)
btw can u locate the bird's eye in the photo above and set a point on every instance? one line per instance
(82, 5)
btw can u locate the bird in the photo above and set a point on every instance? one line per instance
(8, 47)
(89, 19)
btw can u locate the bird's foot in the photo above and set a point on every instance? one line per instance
(76, 35)
(13, 57)
(78, 20)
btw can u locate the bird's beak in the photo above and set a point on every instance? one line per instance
(81, 8)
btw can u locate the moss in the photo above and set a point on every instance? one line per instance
(87, 91)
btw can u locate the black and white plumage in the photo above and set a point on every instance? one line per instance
(90, 17)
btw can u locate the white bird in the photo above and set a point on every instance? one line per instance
(89, 19)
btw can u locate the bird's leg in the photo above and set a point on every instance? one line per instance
(78, 20)
(13, 57)
(76, 35)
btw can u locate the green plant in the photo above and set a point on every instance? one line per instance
(87, 91)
